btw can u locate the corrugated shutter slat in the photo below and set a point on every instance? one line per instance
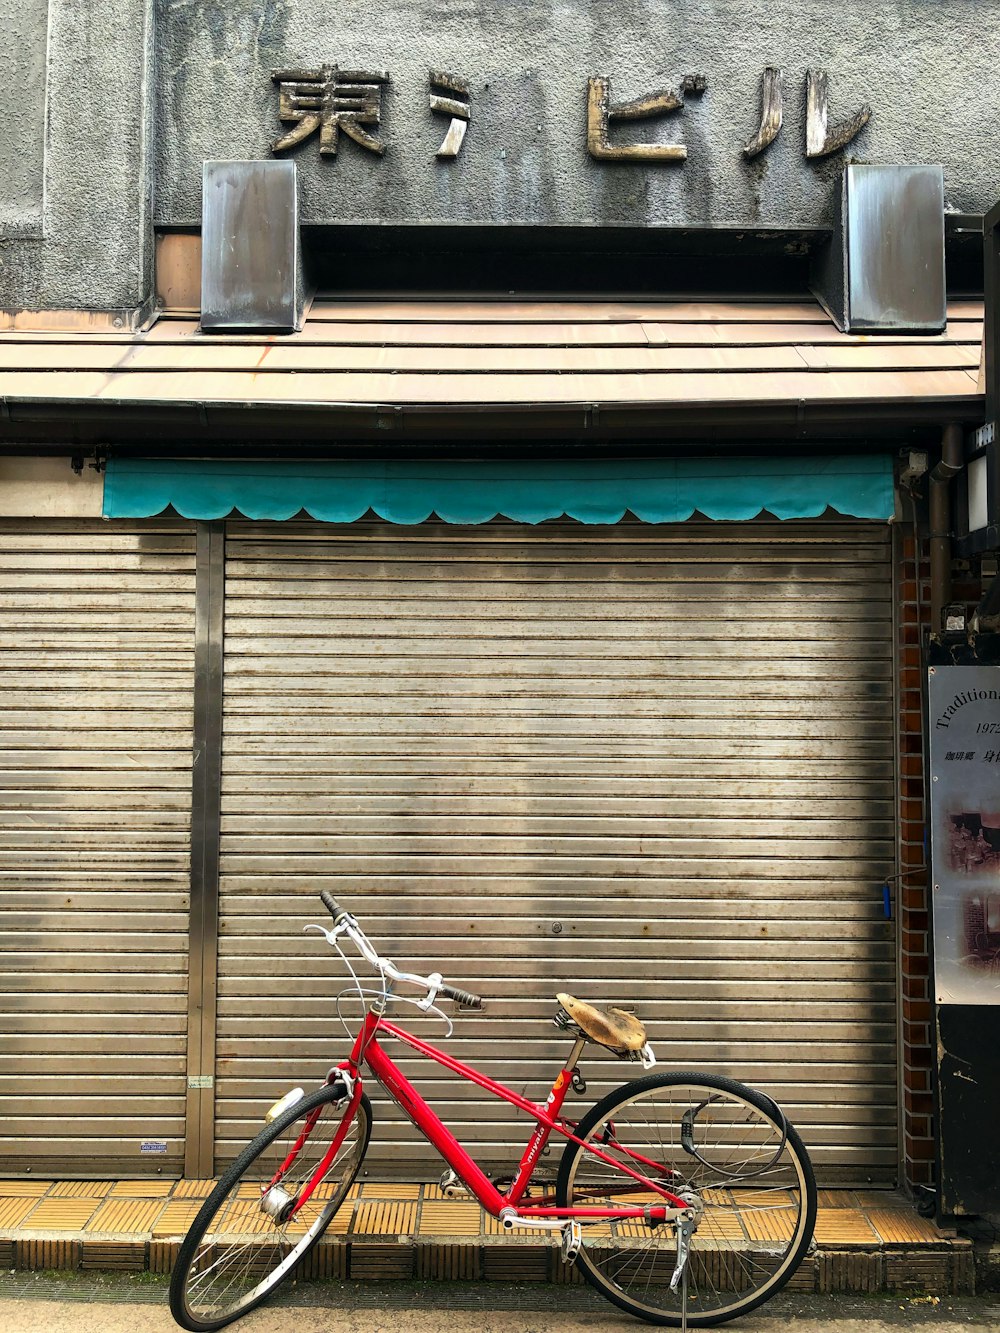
(649, 766)
(97, 624)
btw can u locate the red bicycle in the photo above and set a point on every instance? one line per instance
(685, 1199)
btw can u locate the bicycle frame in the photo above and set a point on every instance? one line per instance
(368, 1050)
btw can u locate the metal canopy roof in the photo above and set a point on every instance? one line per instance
(362, 368)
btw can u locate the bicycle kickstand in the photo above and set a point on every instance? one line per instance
(685, 1230)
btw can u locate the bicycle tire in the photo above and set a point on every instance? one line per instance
(743, 1163)
(234, 1255)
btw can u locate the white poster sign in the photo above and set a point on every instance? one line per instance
(964, 726)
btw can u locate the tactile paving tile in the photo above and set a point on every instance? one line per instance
(723, 1224)
(882, 1199)
(494, 1227)
(61, 1214)
(328, 1191)
(843, 1226)
(131, 1216)
(13, 1212)
(342, 1219)
(837, 1199)
(897, 1227)
(175, 1219)
(81, 1189)
(394, 1218)
(142, 1189)
(391, 1191)
(770, 1223)
(446, 1218)
(193, 1189)
(24, 1189)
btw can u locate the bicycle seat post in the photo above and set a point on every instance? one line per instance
(575, 1054)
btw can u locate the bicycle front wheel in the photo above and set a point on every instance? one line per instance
(239, 1248)
(728, 1150)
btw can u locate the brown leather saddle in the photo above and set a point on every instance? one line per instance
(618, 1031)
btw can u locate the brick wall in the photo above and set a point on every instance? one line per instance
(916, 1015)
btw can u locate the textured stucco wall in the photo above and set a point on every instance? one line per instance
(929, 68)
(94, 244)
(23, 27)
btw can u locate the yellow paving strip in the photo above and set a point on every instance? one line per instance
(193, 1189)
(342, 1219)
(24, 1189)
(81, 1189)
(13, 1212)
(392, 1191)
(836, 1199)
(61, 1214)
(176, 1217)
(881, 1199)
(130, 1209)
(720, 1225)
(447, 1218)
(385, 1219)
(896, 1227)
(765, 1224)
(328, 1191)
(126, 1215)
(142, 1189)
(843, 1226)
(494, 1227)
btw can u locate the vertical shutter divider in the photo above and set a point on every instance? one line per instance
(205, 832)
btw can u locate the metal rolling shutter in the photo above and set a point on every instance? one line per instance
(651, 766)
(97, 628)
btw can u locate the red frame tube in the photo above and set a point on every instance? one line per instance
(367, 1049)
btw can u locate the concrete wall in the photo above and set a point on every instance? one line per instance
(929, 69)
(49, 488)
(23, 42)
(121, 123)
(91, 245)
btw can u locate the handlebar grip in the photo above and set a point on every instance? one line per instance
(463, 997)
(331, 904)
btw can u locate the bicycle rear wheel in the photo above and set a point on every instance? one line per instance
(729, 1150)
(236, 1253)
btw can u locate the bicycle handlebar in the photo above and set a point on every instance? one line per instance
(331, 904)
(431, 984)
(463, 997)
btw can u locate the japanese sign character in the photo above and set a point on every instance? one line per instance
(329, 100)
(602, 113)
(450, 97)
(822, 139)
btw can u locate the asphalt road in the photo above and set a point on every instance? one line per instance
(88, 1303)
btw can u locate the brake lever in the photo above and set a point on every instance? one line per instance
(436, 981)
(329, 935)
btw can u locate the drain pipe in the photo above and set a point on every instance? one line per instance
(952, 461)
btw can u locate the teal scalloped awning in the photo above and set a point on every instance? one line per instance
(591, 491)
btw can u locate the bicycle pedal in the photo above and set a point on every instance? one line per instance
(572, 1239)
(451, 1187)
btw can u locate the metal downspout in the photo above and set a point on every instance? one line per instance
(952, 461)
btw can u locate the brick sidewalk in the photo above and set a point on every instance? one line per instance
(865, 1240)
